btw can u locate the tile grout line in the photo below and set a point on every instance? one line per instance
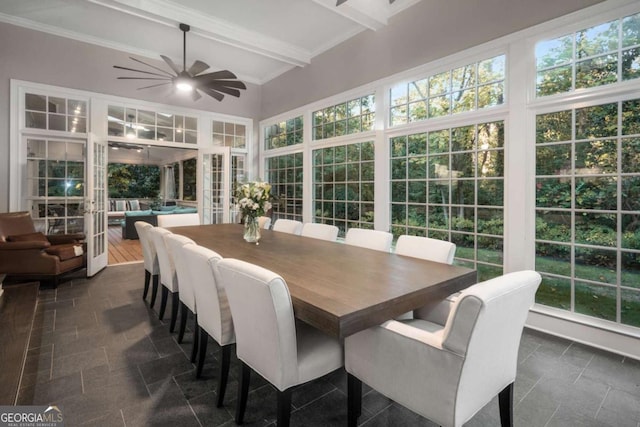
(315, 400)
(122, 416)
(82, 380)
(583, 369)
(51, 365)
(173, 378)
(529, 391)
(602, 403)
(551, 417)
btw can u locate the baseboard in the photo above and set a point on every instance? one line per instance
(619, 342)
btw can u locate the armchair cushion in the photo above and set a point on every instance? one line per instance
(28, 237)
(65, 252)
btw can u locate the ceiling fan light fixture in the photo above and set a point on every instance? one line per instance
(183, 84)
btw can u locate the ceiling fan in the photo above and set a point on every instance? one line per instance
(214, 84)
(339, 2)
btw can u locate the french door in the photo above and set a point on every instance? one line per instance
(214, 201)
(96, 206)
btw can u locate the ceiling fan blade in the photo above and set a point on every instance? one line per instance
(391, 1)
(213, 93)
(171, 64)
(152, 66)
(197, 68)
(339, 2)
(227, 83)
(224, 89)
(137, 71)
(195, 95)
(144, 78)
(156, 85)
(216, 75)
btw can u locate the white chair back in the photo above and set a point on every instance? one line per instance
(174, 243)
(165, 262)
(178, 220)
(370, 239)
(449, 372)
(148, 249)
(485, 325)
(209, 293)
(264, 222)
(288, 226)
(426, 248)
(263, 320)
(320, 231)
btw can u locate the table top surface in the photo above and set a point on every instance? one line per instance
(338, 288)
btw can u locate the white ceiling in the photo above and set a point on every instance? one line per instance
(256, 39)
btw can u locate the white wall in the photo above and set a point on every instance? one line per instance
(42, 58)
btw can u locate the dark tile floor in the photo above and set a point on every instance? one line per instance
(100, 352)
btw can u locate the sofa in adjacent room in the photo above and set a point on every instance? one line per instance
(150, 216)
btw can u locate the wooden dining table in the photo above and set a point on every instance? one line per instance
(338, 288)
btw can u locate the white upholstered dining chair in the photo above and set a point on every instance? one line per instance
(447, 372)
(320, 231)
(167, 270)
(269, 340)
(426, 248)
(178, 220)
(370, 239)
(214, 315)
(151, 267)
(264, 222)
(186, 296)
(287, 226)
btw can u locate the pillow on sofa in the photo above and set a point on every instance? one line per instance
(121, 205)
(134, 205)
(138, 213)
(29, 237)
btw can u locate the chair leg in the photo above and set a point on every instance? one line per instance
(505, 402)
(224, 373)
(184, 312)
(354, 399)
(202, 350)
(147, 279)
(243, 392)
(163, 302)
(284, 407)
(196, 334)
(175, 303)
(154, 290)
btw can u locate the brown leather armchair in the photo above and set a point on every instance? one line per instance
(25, 253)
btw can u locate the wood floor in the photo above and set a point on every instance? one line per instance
(121, 251)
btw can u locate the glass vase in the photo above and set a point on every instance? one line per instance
(251, 229)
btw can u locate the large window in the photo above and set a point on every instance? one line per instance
(344, 185)
(354, 116)
(448, 184)
(55, 113)
(471, 87)
(284, 173)
(229, 134)
(135, 123)
(284, 133)
(588, 210)
(55, 185)
(603, 54)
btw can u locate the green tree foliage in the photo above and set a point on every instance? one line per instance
(133, 181)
